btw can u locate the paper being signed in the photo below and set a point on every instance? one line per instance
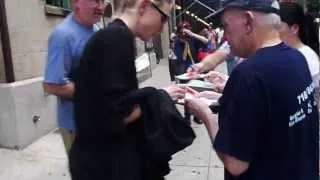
(191, 96)
(187, 76)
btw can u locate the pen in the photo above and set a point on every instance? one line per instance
(192, 67)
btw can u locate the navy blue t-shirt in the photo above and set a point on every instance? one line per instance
(268, 117)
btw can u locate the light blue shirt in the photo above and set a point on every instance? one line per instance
(65, 48)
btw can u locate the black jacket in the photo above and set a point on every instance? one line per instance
(145, 153)
(163, 130)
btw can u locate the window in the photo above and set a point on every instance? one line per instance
(58, 7)
(63, 7)
(66, 4)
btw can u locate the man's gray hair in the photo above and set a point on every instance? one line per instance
(270, 20)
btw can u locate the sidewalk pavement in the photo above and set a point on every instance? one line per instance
(46, 159)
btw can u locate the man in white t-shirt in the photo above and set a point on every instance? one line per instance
(312, 60)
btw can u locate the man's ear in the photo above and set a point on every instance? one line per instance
(142, 6)
(248, 16)
(294, 29)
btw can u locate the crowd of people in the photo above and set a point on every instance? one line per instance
(188, 48)
(268, 116)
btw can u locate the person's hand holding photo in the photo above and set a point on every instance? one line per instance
(218, 79)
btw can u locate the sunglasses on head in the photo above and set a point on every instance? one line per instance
(164, 17)
(99, 2)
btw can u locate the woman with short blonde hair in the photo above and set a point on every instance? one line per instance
(108, 143)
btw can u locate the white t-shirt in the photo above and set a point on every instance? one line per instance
(313, 62)
(172, 55)
(225, 48)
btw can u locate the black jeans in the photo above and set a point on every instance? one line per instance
(172, 69)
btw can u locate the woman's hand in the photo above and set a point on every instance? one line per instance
(135, 114)
(187, 31)
(176, 91)
(194, 70)
(210, 95)
(218, 79)
(201, 110)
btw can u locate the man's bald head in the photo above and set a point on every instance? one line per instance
(244, 29)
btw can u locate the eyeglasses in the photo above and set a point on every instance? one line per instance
(164, 16)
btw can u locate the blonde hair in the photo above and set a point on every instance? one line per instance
(122, 5)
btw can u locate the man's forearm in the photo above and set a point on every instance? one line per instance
(200, 38)
(211, 124)
(63, 91)
(235, 166)
(213, 60)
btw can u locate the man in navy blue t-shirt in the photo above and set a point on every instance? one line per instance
(268, 118)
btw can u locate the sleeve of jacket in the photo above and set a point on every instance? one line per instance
(109, 75)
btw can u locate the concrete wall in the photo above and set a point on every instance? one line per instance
(29, 29)
(20, 103)
(165, 41)
(2, 73)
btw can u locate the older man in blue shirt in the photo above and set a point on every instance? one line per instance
(65, 47)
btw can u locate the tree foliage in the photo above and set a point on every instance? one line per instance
(313, 6)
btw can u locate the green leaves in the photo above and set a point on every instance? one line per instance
(313, 6)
